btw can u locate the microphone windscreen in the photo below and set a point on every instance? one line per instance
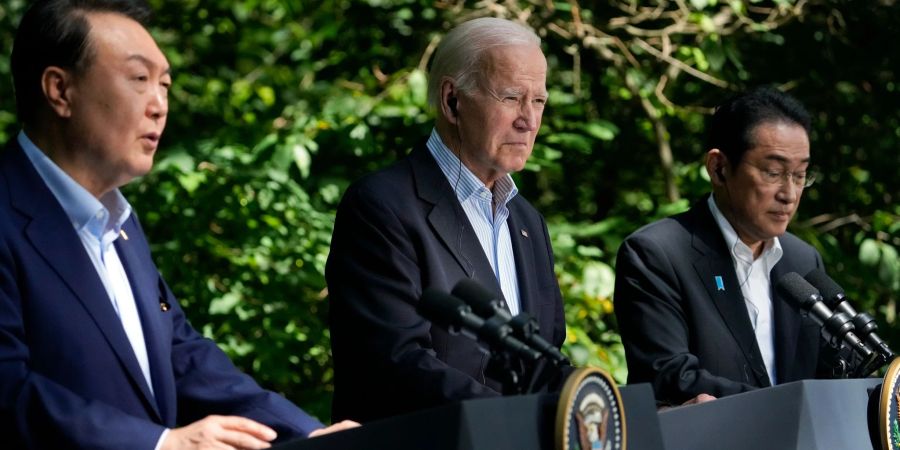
(440, 307)
(830, 290)
(796, 290)
(477, 296)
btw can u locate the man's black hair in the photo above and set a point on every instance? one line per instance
(734, 122)
(55, 33)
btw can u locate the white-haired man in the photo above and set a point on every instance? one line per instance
(448, 211)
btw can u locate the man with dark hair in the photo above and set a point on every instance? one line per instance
(95, 351)
(694, 299)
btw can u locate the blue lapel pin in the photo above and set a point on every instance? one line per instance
(720, 285)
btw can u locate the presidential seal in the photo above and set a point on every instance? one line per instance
(590, 414)
(889, 408)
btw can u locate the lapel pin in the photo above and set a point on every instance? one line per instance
(123, 234)
(524, 233)
(720, 285)
(163, 306)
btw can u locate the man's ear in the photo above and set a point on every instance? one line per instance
(716, 165)
(449, 102)
(56, 84)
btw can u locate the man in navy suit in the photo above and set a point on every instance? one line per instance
(447, 212)
(95, 351)
(694, 299)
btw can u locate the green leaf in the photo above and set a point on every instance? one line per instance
(869, 253)
(601, 129)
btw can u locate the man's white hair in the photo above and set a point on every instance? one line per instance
(459, 54)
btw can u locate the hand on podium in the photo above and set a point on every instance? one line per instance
(335, 427)
(700, 398)
(220, 432)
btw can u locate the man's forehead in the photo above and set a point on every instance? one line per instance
(514, 67)
(123, 38)
(520, 58)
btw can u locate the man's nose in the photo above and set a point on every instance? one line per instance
(158, 107)
(788, 191)
(529, 117)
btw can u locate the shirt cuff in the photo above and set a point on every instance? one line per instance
(162, 438)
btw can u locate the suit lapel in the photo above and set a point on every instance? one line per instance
(522, 246)
(145, 286)
(714, 264)
(448, 220)
(53, 237)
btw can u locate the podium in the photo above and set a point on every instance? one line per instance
(811, 414)
(505, 423)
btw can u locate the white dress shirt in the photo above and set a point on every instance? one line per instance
(754, 278)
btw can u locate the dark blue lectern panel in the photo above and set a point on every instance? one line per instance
(804, 415)
(507, 423)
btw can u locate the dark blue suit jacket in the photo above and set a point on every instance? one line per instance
(685, 335)
(399, 231)
(68, 375)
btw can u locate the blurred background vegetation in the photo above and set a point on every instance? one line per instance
(278, 105)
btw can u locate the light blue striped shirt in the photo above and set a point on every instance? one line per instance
(490, 225)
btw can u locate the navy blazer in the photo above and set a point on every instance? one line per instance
(685, 335)
(68, 374)
(399, 231)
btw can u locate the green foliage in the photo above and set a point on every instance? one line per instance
(278, 105)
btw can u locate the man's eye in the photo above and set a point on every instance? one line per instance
(773, 173)
(141, 78)
(510, 99)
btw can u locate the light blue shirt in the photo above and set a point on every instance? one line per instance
(98, 224)
(489, 223)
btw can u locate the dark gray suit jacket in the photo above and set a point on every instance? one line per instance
(684, 335)
(399, 231)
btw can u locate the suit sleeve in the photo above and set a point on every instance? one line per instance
(207, 382)
(36, 412)
(654, 328)
(382, 346)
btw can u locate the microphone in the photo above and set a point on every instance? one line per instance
(524, 326)
(452, 313)
(864, 324)
(837, 328)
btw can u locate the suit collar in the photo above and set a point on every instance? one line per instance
(522, 240)
(448, 220)
(146, 285)
(53, 236)
(715, 271)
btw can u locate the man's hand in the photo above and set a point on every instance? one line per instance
(340, 426)
(701, 398)
(220, 432)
